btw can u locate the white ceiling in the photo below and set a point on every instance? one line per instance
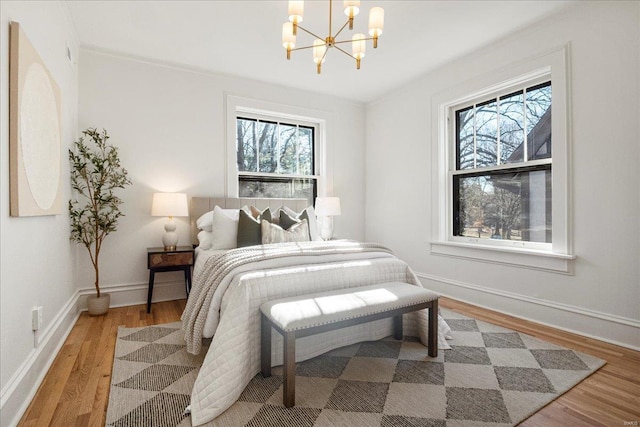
(244, 37)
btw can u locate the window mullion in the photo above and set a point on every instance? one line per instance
(475, 135)
(525, 155)
(256, 143)
(498, 136)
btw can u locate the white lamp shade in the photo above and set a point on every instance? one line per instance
(358, 46)
(319, 49)
(376, 21)
(288, 39)
(327, 206)
(169, 204)
(296, 8)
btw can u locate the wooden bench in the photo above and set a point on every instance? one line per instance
(312, 314)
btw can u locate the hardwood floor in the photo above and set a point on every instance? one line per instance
(75, 391)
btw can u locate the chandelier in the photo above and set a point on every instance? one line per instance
(321, 44)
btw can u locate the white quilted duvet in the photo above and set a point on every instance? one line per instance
(231, 312)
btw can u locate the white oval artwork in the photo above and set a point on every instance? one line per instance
(40, 136)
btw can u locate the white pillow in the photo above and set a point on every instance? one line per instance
(205, 239)
(205, 222)
(272, 233)
(224, 228)
(314, 232)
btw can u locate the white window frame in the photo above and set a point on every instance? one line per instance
(240, 106)
(557, 256)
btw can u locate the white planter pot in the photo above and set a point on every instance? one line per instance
(98, 306)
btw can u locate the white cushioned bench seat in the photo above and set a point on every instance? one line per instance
(311, 314)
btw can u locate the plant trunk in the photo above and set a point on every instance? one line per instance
(96, 267)
(97, 270)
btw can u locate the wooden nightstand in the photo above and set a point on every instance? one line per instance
(159, 260)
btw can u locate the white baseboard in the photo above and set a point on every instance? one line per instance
(23, 385)
(605, 327)
(16, 396)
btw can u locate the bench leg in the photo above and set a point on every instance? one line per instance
(289, 370)
(397, 327)
(265, 346)
(433, 329)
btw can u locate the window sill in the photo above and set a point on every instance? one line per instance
(518, 257)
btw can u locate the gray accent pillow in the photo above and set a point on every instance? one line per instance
(289, 218)
(249, 231)
(310, 215)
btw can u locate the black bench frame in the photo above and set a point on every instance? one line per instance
(289, 366)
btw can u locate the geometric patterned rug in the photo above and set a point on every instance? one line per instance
(492, 376)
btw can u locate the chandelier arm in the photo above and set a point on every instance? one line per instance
(324, 55)
(302, 48)
(340, 30)
(349, 41)
(309, 32)
(343, 51)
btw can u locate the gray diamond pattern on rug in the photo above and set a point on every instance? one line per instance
(152, 353)
(470, 355)
(472, 404)
(358, 396)
(276, 416)
(380, 349)
(322, 366)
(559, 359)
(502, 340)
(260, 389)
(400, 421)
(150, 334)
(468, 325)
(417, 371)
(163, 410)
(523, 379)
(487, 379)
(156, 377)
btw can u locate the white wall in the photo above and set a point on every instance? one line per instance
(601, 299)
(36, 255)
(169, 125)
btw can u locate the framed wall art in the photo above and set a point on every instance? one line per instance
(35, 131)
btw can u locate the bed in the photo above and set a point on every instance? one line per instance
(229, 285)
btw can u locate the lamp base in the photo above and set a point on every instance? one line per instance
(326, 231)
(170, 237)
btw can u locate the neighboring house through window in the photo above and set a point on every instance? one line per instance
(503, 167)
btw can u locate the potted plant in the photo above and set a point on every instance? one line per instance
(95, 175)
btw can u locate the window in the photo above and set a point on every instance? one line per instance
(275, 158)
(503, 164)
(501, 169)
(274, 150)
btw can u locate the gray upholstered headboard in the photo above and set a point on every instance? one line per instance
(202, 205)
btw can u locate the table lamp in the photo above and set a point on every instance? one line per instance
(169, 204)
(327, 207)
